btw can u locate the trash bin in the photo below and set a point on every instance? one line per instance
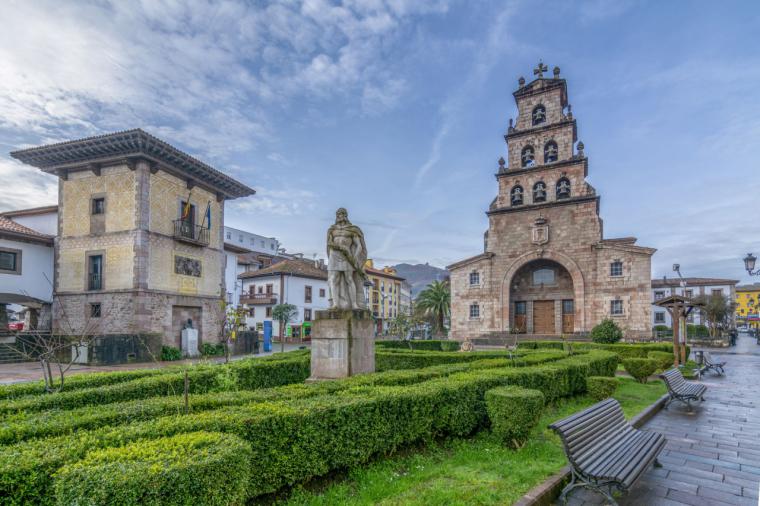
(699, 357)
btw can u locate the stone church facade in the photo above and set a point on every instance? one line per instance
(546, 268)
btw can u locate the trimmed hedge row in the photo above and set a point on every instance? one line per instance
(513, 412)
(426, 345)
(640, 368)
(624, 350)
(601, 387)
(295, 440)
(246, 374)
(196, 468)
(405, 359)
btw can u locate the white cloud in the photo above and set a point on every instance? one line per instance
(291, 202)
(25, 186)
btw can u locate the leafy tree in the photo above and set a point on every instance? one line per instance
(401, 325)
(435, 301)
(718, 310)
(284, 313)
(607, 332)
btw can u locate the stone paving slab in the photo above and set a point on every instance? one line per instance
(712, 456)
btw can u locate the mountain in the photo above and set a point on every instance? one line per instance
(420, 275)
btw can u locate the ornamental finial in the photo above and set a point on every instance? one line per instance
(540, 69)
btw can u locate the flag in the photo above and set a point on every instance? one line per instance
(208, 214)
(186, 210)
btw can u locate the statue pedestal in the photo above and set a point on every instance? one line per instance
(342, 344)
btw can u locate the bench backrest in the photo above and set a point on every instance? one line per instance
(707, 358)
(589, 430)
(673, 379)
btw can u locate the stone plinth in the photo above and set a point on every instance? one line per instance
(342, 344)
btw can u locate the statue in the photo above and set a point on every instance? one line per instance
(346, 254)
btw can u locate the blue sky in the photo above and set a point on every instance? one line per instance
(396, 109)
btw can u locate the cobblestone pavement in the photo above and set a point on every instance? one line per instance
(713, 455)
(30, 371)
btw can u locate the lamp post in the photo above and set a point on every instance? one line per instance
(749, 265)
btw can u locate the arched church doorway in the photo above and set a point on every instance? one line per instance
(542, 299)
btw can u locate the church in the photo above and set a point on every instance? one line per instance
(546, 268)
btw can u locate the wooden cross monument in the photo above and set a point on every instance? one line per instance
(679, 308)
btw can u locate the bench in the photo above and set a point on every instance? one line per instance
(604, 450)
(680, 390)
(709, 364)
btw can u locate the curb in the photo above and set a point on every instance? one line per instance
(544, 493)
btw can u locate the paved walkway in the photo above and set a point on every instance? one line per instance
(713, 455)
(30, 371)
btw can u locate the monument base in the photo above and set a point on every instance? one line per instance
(342, 344)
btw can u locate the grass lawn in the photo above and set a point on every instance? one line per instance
(464, 471)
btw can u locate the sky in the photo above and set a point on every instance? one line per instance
(396, 110)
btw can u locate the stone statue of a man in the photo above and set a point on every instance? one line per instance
(346, 254)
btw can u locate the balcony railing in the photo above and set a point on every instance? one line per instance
(94, 281)
(258, 298)
(188, 232)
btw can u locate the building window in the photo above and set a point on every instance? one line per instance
(717, 292)
(269, 312)
(474, 278)
(307, 315)
(307, 293)
(229, 235)
(95, 310)
(322, 292)
(517, 195)
(616, 268)
(474, 311)
(689, 294)
(270, 289)
(539, 192)
(262, 244)
(539, 114)
(253, 241)
(528, 156)
(99, 205)
(240, 237)
(252, 312)
(10, 261)
(563, 188)
(551, 153)
(271, 246)
(95, 272)
(659, 317)
(543, 277)
(659, 295)
(616, 307)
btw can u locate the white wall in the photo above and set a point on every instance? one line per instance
(43, 223)
(231, 282)
(36, 265)
(294, 290)
(728, 292)
(254, 242)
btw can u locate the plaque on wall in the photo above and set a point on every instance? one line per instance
(187, 266)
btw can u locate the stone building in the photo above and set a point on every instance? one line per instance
(691, 288)
(139, 247)
(546, 268)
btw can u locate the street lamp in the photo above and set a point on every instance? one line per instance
(749, 264)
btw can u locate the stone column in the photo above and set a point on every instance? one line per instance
(342, 344)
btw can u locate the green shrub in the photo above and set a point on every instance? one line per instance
(513, 412)
(298, 439)
(195, 468)
(640, 368)
(662, 328)
(170, 353)
(663, 358)
(601, 387)
(606, 332)
(212, 350)
(624, 350)
(421, 345)
(697, 331)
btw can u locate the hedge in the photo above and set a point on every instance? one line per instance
(196, 468)
(663, 358)
(426, 345)
(295, 440)
(404, 359)
(640, 368)
(601, 387)
(513, 412)
(624, 350)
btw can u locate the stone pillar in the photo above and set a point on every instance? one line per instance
(342, 344)
(3, 317)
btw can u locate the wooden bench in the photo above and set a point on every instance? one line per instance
(709, 364)
(680, 390)
(604, 450)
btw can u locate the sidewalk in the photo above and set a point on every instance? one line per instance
(30, 371)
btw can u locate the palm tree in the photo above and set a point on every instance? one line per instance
(435, 301)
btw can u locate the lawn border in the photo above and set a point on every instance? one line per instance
(544, 493)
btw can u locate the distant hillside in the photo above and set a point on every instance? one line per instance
(420, 275)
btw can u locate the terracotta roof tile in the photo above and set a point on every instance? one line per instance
(10, 226)
(661, 283)
(296, 267)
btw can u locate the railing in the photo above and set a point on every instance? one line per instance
(188, 232)
(94, 281)
(258, 298)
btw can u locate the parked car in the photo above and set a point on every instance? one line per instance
(17, 326)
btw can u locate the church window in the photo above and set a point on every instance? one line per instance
(563, 188)
(616, 268)
(474, 278)
(543, 277)
(528, 156)
(474, 311)
(539, 192)
(616, 307)
(551, 152)
(539, 114)
(517, 195)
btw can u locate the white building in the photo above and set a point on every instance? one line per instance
(694, 287)
(405, 298)
(302, 283)
(251, 241)
(27, 263)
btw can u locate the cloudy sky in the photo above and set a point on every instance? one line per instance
(396, 109)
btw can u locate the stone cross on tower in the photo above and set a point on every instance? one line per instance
(540, 69)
